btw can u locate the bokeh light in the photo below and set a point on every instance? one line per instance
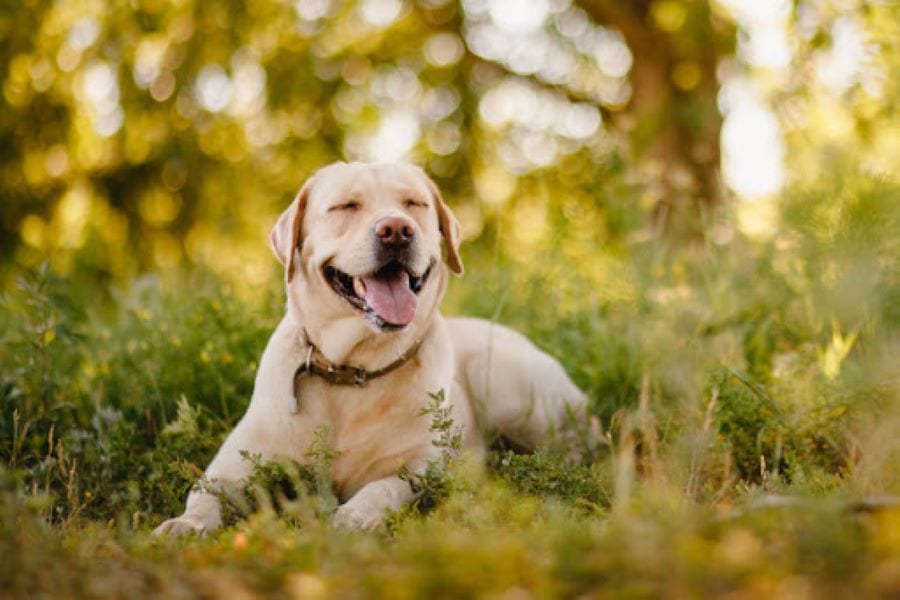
(193, 125)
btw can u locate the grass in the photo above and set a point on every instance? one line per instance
(747, 391)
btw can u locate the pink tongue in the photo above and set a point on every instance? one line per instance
(391, 298)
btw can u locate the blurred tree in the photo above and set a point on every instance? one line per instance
(672, 114)
(149, 134)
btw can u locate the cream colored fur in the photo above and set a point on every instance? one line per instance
(493, 378)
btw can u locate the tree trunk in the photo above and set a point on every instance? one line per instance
(672, 117)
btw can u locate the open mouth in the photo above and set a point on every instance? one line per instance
(387, 297)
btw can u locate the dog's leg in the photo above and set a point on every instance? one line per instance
(203, 512)
(366, 509)
(517, 390)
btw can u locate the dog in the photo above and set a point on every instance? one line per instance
(367, 251)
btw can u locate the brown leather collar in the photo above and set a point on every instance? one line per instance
(316, 364)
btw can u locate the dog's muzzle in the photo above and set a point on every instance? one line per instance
(387, 297)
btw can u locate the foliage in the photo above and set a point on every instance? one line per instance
(146, 137)
(551, 475)
(744, 377)
(433, 484)
(89, 406)
(171, 129)
(298, 492)
(719, 376)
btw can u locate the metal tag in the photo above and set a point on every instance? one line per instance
(294, 401)
(303, 369)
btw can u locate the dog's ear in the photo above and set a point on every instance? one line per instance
(449, 228)
(285, 235)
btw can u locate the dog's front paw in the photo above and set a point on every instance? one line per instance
(358, 516)
(183, 525)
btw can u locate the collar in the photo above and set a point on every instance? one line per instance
(317, 365)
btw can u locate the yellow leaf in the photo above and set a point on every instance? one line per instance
(837, 411)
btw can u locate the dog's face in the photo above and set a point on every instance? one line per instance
(365, 240)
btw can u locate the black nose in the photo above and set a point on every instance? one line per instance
(395, 232)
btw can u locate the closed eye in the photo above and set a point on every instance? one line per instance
(410, 203)
(351, 206)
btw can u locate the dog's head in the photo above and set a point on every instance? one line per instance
(364, 240)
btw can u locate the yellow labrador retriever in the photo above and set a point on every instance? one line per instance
(363, 344)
